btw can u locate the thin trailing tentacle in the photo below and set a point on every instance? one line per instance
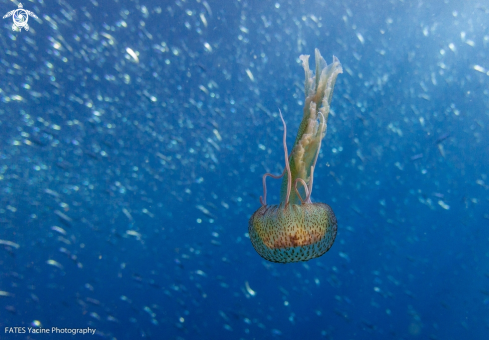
(287, 166)
(263, 200)
(305, 188)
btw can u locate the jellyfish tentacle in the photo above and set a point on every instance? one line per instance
(287, 166)
(263, 200)
(305, 189)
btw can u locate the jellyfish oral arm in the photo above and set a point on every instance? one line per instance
(303, 157)
(309, 192)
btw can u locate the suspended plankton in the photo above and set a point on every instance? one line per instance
(297, 229)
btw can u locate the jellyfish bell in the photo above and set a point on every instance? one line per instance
(294, 232)
(298, 229)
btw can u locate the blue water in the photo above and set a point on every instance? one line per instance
(141, 129)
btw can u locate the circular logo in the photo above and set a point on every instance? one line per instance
(20, 18)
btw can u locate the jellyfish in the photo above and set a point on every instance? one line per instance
(298, 229)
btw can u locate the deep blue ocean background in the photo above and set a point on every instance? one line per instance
(142, 130)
